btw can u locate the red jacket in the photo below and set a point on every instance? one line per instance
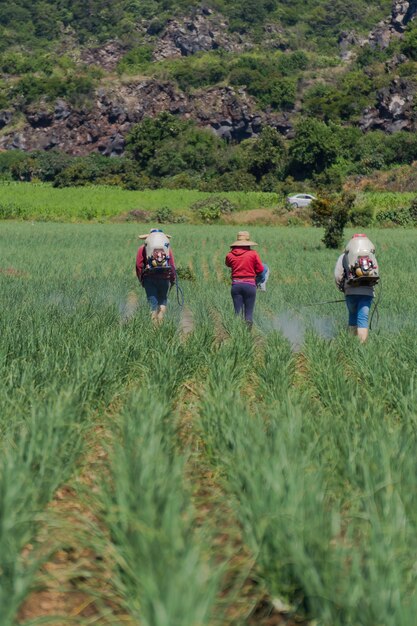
(245, 264)
(163, 274)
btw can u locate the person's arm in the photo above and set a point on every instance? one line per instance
(258, 265)
(140, 263)
(228, 260)
(339, 273)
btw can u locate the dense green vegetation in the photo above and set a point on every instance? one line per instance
(29, 22)
(31, 31)
(169, 152)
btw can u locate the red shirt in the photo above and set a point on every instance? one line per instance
(141, 271)
(245, 264)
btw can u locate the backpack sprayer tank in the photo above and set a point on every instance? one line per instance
(157, 249)
(360, 262)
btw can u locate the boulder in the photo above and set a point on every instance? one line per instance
(40, 117)
(106, 56)
(5, 118)
(402, 12)
(393, 109)
(202, 31)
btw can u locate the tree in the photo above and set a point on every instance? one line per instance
(315, 147)
(333, 213)
(267, 154)
(146, 137)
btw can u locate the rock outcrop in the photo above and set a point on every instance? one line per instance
(230, 113)
(394, 109)
(403, 11)
(203, 31)
(106, 57)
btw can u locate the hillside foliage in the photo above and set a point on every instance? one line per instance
(298, 74)
(26, 22)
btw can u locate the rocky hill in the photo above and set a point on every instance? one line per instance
(82, 91)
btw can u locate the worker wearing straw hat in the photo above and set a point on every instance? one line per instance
(245, 265)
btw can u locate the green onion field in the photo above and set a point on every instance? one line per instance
(188, 474)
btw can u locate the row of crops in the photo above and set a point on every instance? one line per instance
(235, 466)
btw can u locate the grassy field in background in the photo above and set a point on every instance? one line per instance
(39, 201)
(199, 457)
(42, 201)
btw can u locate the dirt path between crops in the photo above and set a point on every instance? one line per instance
(186, 321)
(76, 582)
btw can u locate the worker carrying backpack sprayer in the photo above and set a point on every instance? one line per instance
(155, 269)
(356, 274)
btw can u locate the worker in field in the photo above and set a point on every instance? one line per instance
(246, 266)
(356, 274)
(155, 269)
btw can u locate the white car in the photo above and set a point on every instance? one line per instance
(300, 200)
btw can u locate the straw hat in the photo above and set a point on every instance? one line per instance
(243, 239)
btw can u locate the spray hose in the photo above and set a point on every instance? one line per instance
(318, 303)
(179, 292)
(375, 311)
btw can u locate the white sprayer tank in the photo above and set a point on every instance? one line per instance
(157, 248)
(358, 246)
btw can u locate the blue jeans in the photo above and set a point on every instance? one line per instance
(244, 296)
(156, 291)
(358, 307)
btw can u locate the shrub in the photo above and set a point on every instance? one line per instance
(10, 210)
(80, 172)
(211, 209)
(10, 159)
(362, 216)
(413, 209)
(138, 182)
(294, 220)
(397, 217)
(44, 166)
(190, 74)
(239, 180)
(181, 181)
(165, 215)
(321, 211)
(333, 213)
(137, 59)
(409, 42)
(333, 234)
(75, 87)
